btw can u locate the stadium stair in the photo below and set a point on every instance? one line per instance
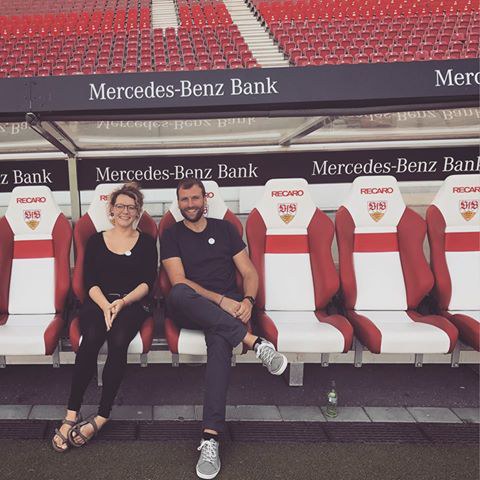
(164, 14)
(255, 35)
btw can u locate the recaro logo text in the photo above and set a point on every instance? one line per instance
(103, 198)
(375, 191)
(466, 189)
(287, 193)
(31, 200)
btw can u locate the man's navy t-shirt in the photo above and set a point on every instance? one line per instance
(206, 256)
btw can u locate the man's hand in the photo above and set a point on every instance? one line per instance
(244, 311)
(230, 306)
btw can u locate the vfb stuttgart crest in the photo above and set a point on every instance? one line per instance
(377, 209)
(287, 211)
(468, 208)
(32, 218)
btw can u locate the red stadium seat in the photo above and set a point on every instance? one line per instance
(453, 222)
(290, 245)
(383, 271)
(34, 264)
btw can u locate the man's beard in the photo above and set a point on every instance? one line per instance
(196, 218)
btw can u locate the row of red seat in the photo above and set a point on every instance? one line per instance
(306, 9)
(383, 272)
(20, 7)
(365, 39)
(207, 13)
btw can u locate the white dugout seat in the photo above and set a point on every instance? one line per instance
(384, 274)
(290, 243)
(453, 222)
(35, 240)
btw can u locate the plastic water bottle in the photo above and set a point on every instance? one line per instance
(332, 400)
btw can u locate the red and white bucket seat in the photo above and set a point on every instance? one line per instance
(383, 271)
(453, 222)
(35, 241)
(290, 243)
(185, 341)
(96, 219)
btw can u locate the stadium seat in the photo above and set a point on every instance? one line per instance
(453, 222)
(35, 240)
(384, 274)
(96, 219)
(290, 241)
(184, 341)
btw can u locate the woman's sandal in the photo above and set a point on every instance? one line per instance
(71, 423)
(75, 430)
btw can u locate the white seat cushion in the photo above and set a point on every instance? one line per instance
(23, 334)
(192, 342)
(400, 334)
(302, 332)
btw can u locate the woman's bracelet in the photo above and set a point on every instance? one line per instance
(220, 302)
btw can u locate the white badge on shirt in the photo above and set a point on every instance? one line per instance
(211, 241)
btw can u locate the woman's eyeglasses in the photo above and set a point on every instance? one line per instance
(120, 207)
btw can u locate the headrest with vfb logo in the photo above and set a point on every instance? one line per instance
(32, 211)
(458, 199)
(286, 204)
(375, 202)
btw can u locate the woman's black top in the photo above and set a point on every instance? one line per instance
(115, 273)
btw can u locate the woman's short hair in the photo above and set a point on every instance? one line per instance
(131, 190)
(188, 183)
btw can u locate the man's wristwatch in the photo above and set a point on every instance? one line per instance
(250, 299)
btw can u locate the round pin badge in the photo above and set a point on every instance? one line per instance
(211, 241)
(128, 253)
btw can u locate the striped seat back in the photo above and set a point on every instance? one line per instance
(376, 207)
(286, 208)
(32, 214)
(458, 202)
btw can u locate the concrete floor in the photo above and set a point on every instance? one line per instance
(23, 460)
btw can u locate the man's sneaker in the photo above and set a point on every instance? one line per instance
(275, 362)
(208, 464)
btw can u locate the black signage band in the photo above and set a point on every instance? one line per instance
(331, 87)
(256, 169)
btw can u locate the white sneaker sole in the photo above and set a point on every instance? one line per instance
(282, 367)
(212, 475)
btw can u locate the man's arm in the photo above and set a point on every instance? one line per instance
(250, 283)
(176, 274)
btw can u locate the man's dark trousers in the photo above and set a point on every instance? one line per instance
(223, 333)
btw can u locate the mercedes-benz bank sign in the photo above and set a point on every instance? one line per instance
(184, 89)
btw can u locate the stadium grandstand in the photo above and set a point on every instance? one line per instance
(341, 138)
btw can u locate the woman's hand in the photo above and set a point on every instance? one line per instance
(116, 307)
(107, 314)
